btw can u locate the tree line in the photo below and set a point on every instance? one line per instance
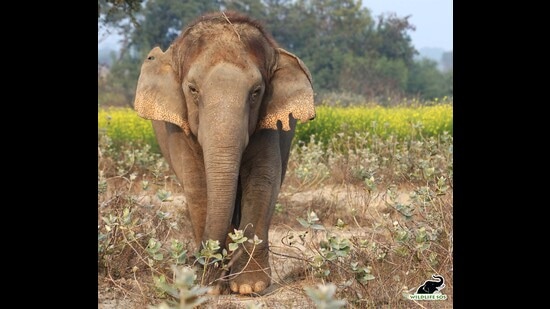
(349, 52)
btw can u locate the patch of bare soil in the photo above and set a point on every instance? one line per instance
(288, 251)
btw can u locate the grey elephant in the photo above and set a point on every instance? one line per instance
(224, 101)
(430, 287)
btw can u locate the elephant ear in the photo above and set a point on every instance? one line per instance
(290, 92)
(158, 94)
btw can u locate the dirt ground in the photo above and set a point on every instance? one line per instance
(289, 269)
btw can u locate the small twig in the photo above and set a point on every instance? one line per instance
(125, 291)
(235, 257)
(138, 285)
(289, 256)
(234, 29)
(129, 243)
(419, 304)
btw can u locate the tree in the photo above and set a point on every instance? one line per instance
(253, 8)
(115, 10)
(447, 61)
(427, 82)
(158, 24)
(321, 32)
(393, 39)
(344, 47)
(163, 20)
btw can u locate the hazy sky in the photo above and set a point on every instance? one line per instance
(433, 20)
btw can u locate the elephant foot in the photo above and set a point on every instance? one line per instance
(247, 289)
(218, 289)
(251, 275)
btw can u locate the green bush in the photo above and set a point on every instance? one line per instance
(363, 219)
(401, 122)
(124, 125)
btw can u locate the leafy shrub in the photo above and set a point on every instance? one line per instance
(124, 125)
(379, 121)
(366, 249)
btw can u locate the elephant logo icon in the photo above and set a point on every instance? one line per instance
(431, 286)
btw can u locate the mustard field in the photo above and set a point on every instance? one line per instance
(123, 125)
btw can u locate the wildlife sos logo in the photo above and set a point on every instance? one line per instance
(430, 290)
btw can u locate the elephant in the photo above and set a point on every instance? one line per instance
(429, 287)
(224, 100)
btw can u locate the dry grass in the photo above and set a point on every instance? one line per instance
(400, 227)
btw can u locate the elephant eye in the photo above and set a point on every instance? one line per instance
(256, 92)
(193, 89)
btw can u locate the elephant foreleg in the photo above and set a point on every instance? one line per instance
(185, 158)
(261, 180)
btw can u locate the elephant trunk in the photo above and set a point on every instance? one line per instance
(222, 172)
(222, 149)
(440, 279)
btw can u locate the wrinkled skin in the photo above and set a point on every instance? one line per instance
(224, 101)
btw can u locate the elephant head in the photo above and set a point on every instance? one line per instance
(223, 80)
(429, 287)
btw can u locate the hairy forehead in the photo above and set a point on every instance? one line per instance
(212, 29)
(215, 21)
(238, 41)
(225, 39)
